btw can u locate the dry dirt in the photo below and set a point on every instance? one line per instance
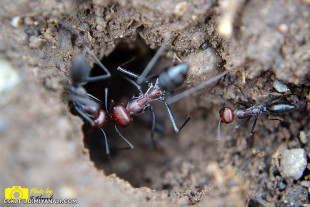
(44, 145)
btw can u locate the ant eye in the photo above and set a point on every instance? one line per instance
(227, 115)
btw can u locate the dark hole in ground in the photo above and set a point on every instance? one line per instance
(130, 165)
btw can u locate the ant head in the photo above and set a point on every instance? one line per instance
(173, 77)
(227, 115)
(79, 69)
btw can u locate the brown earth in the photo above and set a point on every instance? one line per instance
(43, 144)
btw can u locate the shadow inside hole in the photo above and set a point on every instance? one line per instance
(130, 165)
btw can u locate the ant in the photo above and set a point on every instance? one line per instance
(227, 115)
(165, 84)
(84, 103)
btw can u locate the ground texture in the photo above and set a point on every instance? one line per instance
(44, 145)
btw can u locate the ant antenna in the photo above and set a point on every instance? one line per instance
(174, 124)
(152, 62)
(119, 133)
(106, 142)
(106, 100)
(85, 76)
(131, 74)
(196, 88)
(219, 130)
(101, 77)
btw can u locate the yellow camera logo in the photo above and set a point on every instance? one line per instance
(16, 192)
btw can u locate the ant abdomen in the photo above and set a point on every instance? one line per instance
(100, 119)
(227, 115)
(173, 77)
(281, 108)
(121, 115)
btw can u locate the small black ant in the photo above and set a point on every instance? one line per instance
(227, 115)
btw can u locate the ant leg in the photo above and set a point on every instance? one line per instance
(174, 124)
(276, 119)
(265, 114)
(106, 142)
(253, 126)
(130, 145)
(243, 122)
(152, 62)
(101, 77)
(196, 88)
(247, 100)
(242, 104)
(129, 73)
(106, 100)
(83, 114)
(151, 77)
(88, 79)
(93, 97)
(68, 27)
(153, 124)
(135, 76)
(139, 88)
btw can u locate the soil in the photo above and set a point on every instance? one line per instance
(44, 143)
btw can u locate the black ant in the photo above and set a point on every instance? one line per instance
(227, 115)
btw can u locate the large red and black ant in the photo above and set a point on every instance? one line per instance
(228, 115)
(88, 106)
(165, 84)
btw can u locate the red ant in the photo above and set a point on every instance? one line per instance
(227, 115)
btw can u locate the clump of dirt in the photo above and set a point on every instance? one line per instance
(269, 41)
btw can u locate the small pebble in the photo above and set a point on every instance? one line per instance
(283, 28)
(35, 42)
(305, 183)
(8, 76)
(293, 163)
(31, 32)
(67, 192)
(15, 22)
(280, 87)
(281, 185)
(180, 8)
(83, 26)
(3, 125)
(303, 137)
